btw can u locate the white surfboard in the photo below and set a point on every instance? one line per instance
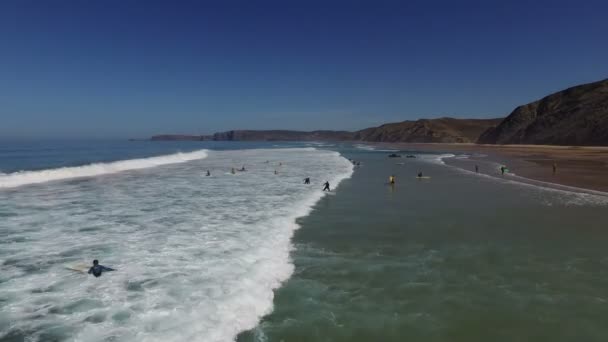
(81, 267)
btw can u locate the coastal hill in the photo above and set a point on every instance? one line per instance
(444, 130)
(575, 116)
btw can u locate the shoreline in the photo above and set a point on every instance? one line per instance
(577, 166)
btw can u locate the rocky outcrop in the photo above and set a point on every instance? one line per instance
(575, 116)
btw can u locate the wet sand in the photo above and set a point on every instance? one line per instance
(583, 167)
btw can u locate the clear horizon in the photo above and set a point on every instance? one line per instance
(73, 69)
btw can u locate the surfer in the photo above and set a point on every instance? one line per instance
(502, 170)
(307, 180)
(243, 168)
(476, 168)
(233, 171)
(326, 186)
(275, 172)
(208, 173)
(97, 269)
(554, 168)
(419, 174)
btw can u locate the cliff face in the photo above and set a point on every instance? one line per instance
(443, 130)
(575, 116)
(447, 130)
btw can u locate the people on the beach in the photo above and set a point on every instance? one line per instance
(391, 179)
(98, 269)
(554, 168)
(502, 170)
(476, 168)
(326, 186)
(208, 173)
(307, 180)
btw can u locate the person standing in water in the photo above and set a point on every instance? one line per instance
(554, 168)
(502, 170)
(275, 172)
(419, 174)
(307, 180)
(476, 168)
(98, 269)
(233, 171)
(208, 173)
(326, 186)
(391, 179)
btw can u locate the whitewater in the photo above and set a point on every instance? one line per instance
(197, 257)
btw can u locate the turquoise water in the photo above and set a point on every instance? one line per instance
(459, 257)
(258, 256)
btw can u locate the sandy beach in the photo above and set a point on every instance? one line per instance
(577, 166)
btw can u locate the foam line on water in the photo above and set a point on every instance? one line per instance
(21, 178)
(574, 195)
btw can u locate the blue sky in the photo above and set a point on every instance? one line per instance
(136, 68)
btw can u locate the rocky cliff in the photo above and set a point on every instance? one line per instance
(575, 116)
(446, 130)
(443, 130)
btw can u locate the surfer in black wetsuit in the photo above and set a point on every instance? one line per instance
(208, 173)
(476, 168)
(326, 186)
(307, 180)
(419, 174)
(97, 269)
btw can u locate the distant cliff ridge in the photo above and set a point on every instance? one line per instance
(575, 116)
(283, 135)
(424, 130)
(443, 130)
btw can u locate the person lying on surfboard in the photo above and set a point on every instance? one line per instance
(97, 269)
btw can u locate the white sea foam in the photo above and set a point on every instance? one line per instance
(373, 148)
(198, 257)
(20, 178)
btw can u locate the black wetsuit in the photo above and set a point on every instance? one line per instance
(306, 180)
(326, 187)
(96, 270)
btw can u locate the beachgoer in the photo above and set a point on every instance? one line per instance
(326, 186)
(98, 269)
(554, 168)
(502, 170)
(476, 168)
(307, 180)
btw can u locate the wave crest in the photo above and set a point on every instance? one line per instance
(16, 179)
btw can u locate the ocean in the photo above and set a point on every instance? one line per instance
(260, 256)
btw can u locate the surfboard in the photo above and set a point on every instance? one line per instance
(424, 177)
(82, 268)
